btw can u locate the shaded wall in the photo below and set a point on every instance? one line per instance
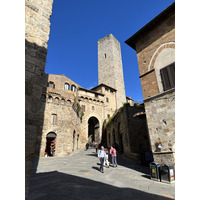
(129, 130)
(37, 27)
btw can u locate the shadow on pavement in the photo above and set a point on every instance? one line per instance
(126, 162)
(55, 185)
(97, 168)
(146, 176)
(91, 154)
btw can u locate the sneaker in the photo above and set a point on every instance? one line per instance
(102, 171)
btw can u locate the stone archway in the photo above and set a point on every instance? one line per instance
(74, 136)
(50, 144)
(77, 141)
(113, 137)
(93, 130)
(121, 147)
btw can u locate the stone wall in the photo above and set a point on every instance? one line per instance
(58, 100)
(37, 27)
(129, 130)
(110, 70)
(160, 111)
(155, 44)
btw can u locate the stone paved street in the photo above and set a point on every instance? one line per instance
(77, 177)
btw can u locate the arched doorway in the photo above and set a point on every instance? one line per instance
(74, 135)
(109, 139)
(50, 144)
(114, 140)
(121, 148)
(93, 130)
(77, 140)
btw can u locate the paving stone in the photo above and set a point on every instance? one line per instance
(55, 178)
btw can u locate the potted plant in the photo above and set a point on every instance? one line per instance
(159, 143)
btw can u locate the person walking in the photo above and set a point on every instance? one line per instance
(106, 162)
(86, 146)
(101, 156)
(96, 147)
(113, 153)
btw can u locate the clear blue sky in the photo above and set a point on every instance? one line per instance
(77, 25)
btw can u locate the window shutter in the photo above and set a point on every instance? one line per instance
(172, 74)
(165, 79)
(168, 76)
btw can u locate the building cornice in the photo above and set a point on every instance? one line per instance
(159, 95)
(149, 26)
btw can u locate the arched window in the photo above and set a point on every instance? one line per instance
(73, 88)
(62, 101)
(165, 69)
(57, 100)
(67, 86)
(50, 98)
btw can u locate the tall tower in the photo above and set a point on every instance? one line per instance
(110, 70)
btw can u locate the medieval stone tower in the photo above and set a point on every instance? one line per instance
(110, 70)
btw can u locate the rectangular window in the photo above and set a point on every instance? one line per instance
(168, 76)
(83, 108)
(111, 91)
(96, 95)
(92, 107)
(107, 99)
(51, 84)
(53, 118)
(108, 116)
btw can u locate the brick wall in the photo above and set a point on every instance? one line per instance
(155, 50)
(164, 32)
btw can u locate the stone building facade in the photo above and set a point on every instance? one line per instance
(129, 130)
(155, 47)
(74, 115)
(37, 28)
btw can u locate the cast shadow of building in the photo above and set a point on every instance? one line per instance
(56, 185)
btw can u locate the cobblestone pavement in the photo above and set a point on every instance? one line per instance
(77, 176)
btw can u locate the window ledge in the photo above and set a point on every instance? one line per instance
(159, 95)
(164, 152)
(146, 73)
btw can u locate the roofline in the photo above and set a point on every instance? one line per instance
(80, 88)
(134, 38)
(103, 85)
(66, 77)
